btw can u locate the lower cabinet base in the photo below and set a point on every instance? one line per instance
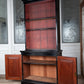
(34, 82)
(24, 82)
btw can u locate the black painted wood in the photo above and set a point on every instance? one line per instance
(34, 82)
(30, 1)
(41, 52)
(40, 19)
(40, 29)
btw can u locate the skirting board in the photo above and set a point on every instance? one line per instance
(2, 76)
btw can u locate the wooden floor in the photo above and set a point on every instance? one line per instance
(3, 81)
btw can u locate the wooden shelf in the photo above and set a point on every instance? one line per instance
(40, 62)
(40, 29)
(42, 79)
(30, 1)
(44, 18)
(35, 52)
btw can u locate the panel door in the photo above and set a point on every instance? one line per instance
(67, 70)
(13, 67)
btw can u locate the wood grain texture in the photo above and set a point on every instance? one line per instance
(51, 39)
(38, 9)
(40, 39)
(13, 66)
(37, 70)
(67, 70)
(43, 79)
(26, 70)
(51, 71)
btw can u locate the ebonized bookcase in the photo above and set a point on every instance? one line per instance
(39, 64)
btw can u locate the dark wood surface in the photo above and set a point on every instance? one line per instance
(67, 70)
(41, 52)
(40, 62)
(13, 65)
(43, 79)
(30, 1)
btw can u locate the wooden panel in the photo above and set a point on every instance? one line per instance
(43, 70)
(26, 70)
(37, 57)
(33, 40)
(35, 43)
(50, 58)
(26, 58)
(51, 71)
(37, 24)
(37, 70)
(51, 39)
(43, 79)
(47, 58)
(40, 9)
(13, 67)
(44, 40)
(28, 40)
(67, 70)
(51, 23)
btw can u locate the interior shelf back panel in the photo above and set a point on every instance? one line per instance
(40, 9)
(40, 25)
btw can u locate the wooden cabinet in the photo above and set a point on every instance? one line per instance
(40, 61)
(42, 44)
(13, 67)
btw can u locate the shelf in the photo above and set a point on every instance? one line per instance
(40, 62)
(41, 52)
(30, 1)
(44, 18)
(42, 79)
(40, 29)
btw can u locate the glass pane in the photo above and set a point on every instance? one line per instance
(19, 23)
(70, 21)
(3, 22)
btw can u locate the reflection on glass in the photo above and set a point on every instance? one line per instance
(70, 21)
(19, 33)
(3, 22)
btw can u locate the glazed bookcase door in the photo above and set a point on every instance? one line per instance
(67, 70)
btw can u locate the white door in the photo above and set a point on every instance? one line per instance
(8, 44)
